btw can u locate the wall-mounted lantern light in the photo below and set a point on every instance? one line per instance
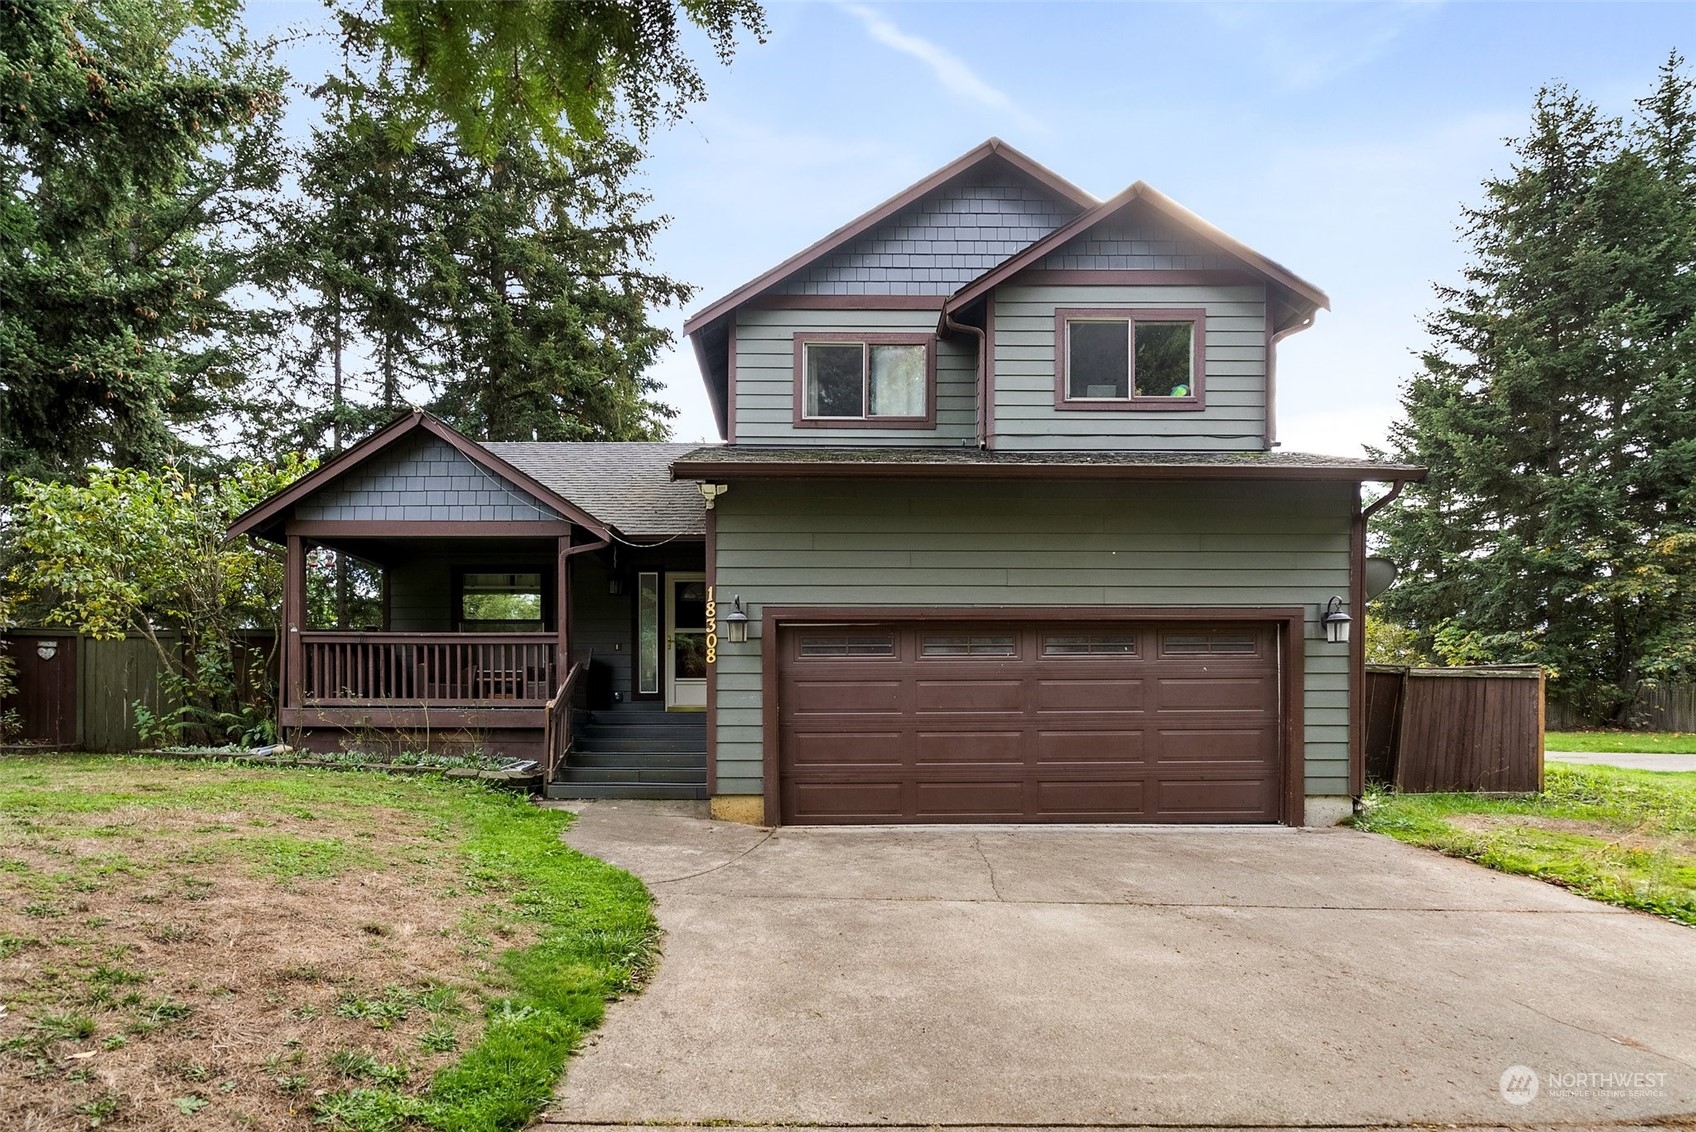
(736, 623)
(1336, 622)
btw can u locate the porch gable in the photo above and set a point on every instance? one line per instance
(423, 478)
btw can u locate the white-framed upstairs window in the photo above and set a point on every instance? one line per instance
(1116, 358)
(852, 380)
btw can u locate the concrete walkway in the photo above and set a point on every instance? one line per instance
(1121, 977)
(1629, 761)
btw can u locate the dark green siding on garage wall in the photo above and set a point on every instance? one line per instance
(1049, 543)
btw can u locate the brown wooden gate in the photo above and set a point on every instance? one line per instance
(46, 696)
(1432, 730)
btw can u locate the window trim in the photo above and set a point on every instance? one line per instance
(1196, 401)
(550, 623)
(867, 339)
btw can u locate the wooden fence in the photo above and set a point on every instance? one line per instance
(1455, 729)
(75, 692)
(1669, 707)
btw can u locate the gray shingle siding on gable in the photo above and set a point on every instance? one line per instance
(422, 479)
(1138, 242)
(941, 242)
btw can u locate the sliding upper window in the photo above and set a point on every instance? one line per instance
(1129, 359)
(865, 380)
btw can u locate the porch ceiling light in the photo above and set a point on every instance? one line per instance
(1336, 622)
(736, 623)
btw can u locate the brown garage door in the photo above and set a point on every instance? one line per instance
(936, 722)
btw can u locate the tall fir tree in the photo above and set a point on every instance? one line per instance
(544, 291)
(125, 153)
(1555, 411)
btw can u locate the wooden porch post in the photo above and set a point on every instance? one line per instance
(562, 611)
(294, 620)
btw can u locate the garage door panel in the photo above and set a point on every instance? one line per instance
(1215, 746)
(1033, 722)
(844, 697)
(1094, 800)
(975, 800)
(1005, 696)
(1109, 696)
(1220, 799)
(836, 748)
(932, 747)
(1088, 747)
(858, 801)
(1233, 695)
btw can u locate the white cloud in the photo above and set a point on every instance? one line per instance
(1308, 47)
(947, 68)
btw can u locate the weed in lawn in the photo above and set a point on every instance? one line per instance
(100, 1109)
(115, 976)
(66, 1027)
(439, 1038)
(10, 945)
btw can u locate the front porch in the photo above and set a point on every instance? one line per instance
(447, 595)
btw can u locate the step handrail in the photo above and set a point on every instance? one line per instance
(557, 728)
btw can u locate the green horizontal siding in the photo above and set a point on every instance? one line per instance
(1062, 543)
(765, 379)
(1234, 416)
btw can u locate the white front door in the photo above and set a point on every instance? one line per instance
(685, 640)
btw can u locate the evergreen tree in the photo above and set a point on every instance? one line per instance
(544, 296)
(122, 130)
(1555, 411)
(506, 74)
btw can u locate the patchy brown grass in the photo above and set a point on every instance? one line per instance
(186, 947)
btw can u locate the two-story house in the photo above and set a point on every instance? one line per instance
(1000, 532)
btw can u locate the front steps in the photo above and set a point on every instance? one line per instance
(635, 751)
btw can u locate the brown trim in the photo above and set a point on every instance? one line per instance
(1173, 211)
(803, 338)
(425, 528)
(1195, 402)
(562, 608)
(1271, 367)
(1357, 639)
(1290, 620)
(993, 148)
(847, 302)
(263, 514)
(729, 430)
(712, 669)
(1135, 278)
(1357, 650)
(986, 386)
(294, 617)
(718, 472)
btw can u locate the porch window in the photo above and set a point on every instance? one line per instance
(502, 603)
(881, 380)
(1143, 359)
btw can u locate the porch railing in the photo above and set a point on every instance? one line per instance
(427, 668)
(557, 731)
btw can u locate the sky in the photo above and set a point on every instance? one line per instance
(1340, 139)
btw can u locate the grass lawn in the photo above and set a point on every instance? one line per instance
(195, 945)
(1629, 742)
(1626, 837)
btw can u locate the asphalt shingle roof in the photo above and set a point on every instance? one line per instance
(625, 484)
(704, 458)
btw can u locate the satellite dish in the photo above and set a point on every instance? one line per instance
(1380, 576)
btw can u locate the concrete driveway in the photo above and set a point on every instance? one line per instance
(1090, 976)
